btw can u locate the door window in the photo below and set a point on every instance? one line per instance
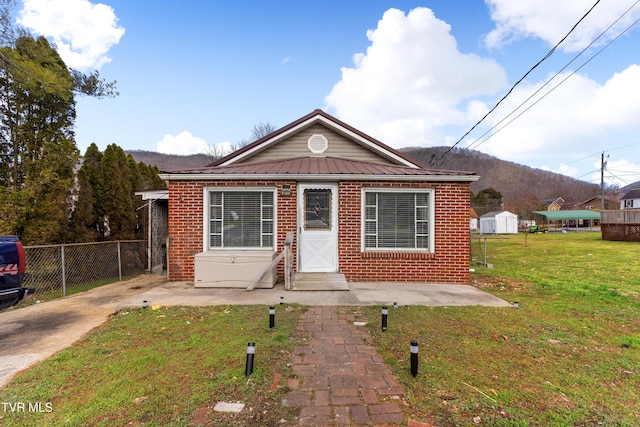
(317, 207)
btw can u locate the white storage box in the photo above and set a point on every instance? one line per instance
(234, 269)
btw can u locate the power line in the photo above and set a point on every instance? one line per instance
(479, 141)
(597, 153)
(520, 80)
(616, 176)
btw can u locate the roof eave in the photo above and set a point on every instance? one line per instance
(317, 177)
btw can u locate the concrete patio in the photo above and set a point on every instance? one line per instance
(183, 293)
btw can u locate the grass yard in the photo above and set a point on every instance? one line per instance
(569, 356)
(156, 367)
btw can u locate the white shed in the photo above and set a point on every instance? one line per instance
(499, 222)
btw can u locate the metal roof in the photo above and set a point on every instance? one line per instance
(568, 215)
(306, 167)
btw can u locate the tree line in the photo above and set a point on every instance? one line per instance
(47, 193)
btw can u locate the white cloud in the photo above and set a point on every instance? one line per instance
(184, 143)
(412, 81)
(82, 31)
(551, 20)
(621, 172)
(579, 114)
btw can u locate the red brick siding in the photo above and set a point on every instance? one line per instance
(449, 263)
(186, 220)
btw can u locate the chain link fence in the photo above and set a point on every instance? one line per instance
(59, 270)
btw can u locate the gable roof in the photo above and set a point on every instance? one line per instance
(633, 194)
(556, 200)
(497, 213)
(384, 163)
(315, 117)
(597, 198)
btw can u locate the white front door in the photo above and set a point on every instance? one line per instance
(317, 228)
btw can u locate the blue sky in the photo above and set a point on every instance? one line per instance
(197, 73)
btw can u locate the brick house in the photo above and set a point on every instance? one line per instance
(356, 207)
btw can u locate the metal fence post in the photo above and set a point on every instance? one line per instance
(485, 252)
(62, 270)
(119, 262)
(64, 273)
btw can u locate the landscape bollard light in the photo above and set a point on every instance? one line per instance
(414, 357)
(272, 317)
(385, 312)
(281, 300)
(395, 305)
(145, 304)
(516, 305)
(251, 351)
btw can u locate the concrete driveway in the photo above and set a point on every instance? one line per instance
(34, 333)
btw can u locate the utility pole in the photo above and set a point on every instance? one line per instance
(603, 165)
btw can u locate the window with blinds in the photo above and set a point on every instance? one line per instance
(397, 220)
(241, 219)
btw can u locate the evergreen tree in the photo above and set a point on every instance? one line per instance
(105, 181)
(150, 178)
(37, 163)
(487, 200)
(83, 226)
(135, 177)
(118, 206)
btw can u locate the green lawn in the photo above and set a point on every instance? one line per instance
(569, 356)
(156, 366)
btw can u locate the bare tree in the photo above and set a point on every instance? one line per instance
(214, 151)
(259, 130)
(7, 30)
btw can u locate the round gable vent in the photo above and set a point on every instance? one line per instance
(317, 143)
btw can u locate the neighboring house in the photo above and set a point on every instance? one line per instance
(595, 203)
(355, 206)
(499, 222)
(631, 200)
(553, 204)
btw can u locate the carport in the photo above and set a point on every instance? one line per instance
(568, 216)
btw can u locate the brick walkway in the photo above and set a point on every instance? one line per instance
(340, 379)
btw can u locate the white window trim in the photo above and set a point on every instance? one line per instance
(430, 191)
(206, 191)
